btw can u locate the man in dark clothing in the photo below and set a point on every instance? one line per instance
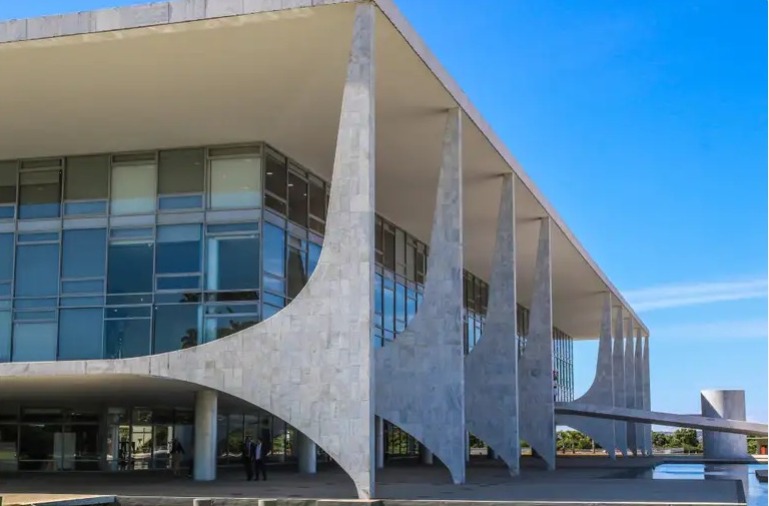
(247, 453)
(260, 452)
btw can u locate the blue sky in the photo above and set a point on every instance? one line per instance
(645, 124)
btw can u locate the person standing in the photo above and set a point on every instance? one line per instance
(247, 455)
(259, 455)
(177, 451)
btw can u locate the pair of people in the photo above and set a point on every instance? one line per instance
(253, 456)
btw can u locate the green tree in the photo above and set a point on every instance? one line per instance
(752, 447)
(687, 439)
(661, 440)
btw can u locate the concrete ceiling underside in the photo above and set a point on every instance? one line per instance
(278, 77)
(89, 390)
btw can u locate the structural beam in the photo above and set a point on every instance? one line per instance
(492, 365)
(639, 391)
(647, 397)
(630, 383)
(537, 420)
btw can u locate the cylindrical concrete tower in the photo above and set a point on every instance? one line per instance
(729, 404)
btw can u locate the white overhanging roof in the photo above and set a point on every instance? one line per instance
(196, 72)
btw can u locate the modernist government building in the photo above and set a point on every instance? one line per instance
(283, 219)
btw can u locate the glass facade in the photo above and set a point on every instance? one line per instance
(122, 255)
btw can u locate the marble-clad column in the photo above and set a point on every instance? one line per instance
(420, 383)
(630, 383)
(601, 391)
(618, 365)
(639, 391)
(491, 382)
(205, 435)
(647, 396)
(537, 405)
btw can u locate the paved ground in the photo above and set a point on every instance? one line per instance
(578, 479)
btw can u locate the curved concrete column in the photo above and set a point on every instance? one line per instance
(492, 366)
(729, 404)
(420, 376)
(310, 364)
(647, 397)
(601, 391)
(618, 369)
(630, 384)
(640, 430)
(537, 405)
(307, 454)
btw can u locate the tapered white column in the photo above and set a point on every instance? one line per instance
(601, 392)
(425, 455)
(205, 435)
(638, 367)
(420, 383)
(618, 367)
(491, 379)
(537, 406)
(647, 396)
(630, 383)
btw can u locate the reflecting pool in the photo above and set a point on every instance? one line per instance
(755, 492)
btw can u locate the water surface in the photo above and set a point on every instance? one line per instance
(755, 492)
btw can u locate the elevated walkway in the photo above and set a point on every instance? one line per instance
(669, 419)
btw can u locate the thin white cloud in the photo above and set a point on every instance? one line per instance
(693, 294)
(715, 330)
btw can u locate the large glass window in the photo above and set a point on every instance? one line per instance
(133, 186)
(40, 194)
(176, 327)
(232, 262)
(37, 270)
(7, 189)
(127, 337)
(180, 178)
(297, 267)
(34, 341)
(317, 205)
(86, 185)
(297, 199)
(275, 183)
(6, 264)
(130, 266)
(219, 326)
(80, 334)
(178, 263)
(236, 183)
(84, 253)
(5, 336)
(274, 263)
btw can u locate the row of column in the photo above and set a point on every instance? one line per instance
(422, 382)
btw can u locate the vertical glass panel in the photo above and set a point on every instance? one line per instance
(378, 246)
(236, 183)
(297, 199)
(276, 181)
(34, 342)
(86, 178)
(84, 253)
(178, 249)
(410, 261)
(133, 188)
(130, 267)
(313, 255)
(180, 171)
(232, 263)
(7, 189)
(37, 270)
(127, 338)
(274, 250)
(317, 199)
(400, 252)
(400, 307)
(176, 327)
(389, 248)
(389, 305)
(80, 334)
(40, 194)
(6, 256)
(297, 276)
(5, 336)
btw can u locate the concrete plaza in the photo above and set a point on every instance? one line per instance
(579, 479)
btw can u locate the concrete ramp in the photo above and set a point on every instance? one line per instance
(668, 419)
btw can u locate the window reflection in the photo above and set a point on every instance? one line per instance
(130, 267)
(297, 275)
(236, 183)
(37, 270)
(34, 341)
(133, 188)
(176, 327)
(232, 263)
(84, 253)
(126, 338)
(80, 334)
